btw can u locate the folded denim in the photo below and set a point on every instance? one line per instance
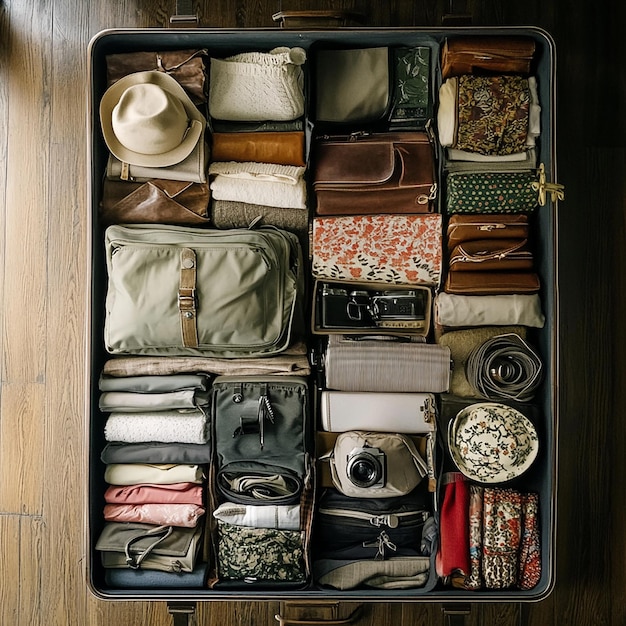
(153, 579)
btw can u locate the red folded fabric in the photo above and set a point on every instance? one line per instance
(453, 558)
(177, 493)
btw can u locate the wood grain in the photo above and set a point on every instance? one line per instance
(43, 282)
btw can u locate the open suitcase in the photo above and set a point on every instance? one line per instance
(332, 303)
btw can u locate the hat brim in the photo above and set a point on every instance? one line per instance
(112, 96)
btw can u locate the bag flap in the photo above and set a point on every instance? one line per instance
(354, 162)
(488, 249)
(116, 536)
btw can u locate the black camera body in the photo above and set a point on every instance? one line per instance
(367, 467)
(342, 307)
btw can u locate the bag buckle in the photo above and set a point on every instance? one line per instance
(187, 301)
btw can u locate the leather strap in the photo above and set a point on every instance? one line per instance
(187, 304)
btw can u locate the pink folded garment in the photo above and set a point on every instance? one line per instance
(185, 515)
(176, 493)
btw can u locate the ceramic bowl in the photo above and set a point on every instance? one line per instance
(492, 443)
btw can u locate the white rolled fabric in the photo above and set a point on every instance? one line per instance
(281, 517)
(162, 426)
(500, 310)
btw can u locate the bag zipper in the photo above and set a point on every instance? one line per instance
(391, 520)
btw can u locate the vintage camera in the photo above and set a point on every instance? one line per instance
(341, 307)
(399, 305)
(367, 467)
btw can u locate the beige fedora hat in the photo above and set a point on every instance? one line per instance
(147, 119)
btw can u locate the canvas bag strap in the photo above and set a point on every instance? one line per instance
(187, 301)
(160, 533)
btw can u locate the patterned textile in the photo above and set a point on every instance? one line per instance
(474, 580)
(399, 249)
(260, 553)
(530, 551)
(501, 537)
(493, 114)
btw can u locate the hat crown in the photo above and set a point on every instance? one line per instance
(149, 120)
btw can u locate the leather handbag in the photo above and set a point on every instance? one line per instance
(156, 201)
(283, 148)
(395, 249)
(373, 173)
(410, 413)
(491, 283)
(506, 255)
(188, 67)
(372, 365)
(475, 55)
(183, 291)
(462, 228)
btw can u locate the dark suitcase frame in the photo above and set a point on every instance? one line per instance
(222, 42)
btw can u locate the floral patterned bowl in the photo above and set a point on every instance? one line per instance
(492, 443)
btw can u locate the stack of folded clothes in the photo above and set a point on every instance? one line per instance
(157, 437)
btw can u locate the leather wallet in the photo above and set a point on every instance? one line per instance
(462, 228)
(491, 255)
(283, 148)
(491, 283)
(472, 55)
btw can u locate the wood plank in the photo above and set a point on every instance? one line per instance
(29, 82)
(11, 583)
(22, 446)
(32, 611)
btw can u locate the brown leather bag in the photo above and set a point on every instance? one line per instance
(363, 174)
(491, 283)
(155, 201)
(188, 67)
(485, 255)
(463, 227)
(283, 148)
(487, 55)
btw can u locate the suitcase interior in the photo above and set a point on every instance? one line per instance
(223, 42)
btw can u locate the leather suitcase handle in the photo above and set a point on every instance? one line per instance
(327, 18)
(284, 621)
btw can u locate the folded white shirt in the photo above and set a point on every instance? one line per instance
(282, 517)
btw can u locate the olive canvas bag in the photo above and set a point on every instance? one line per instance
(184, 291)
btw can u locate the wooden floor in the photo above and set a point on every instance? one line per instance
(43, 270)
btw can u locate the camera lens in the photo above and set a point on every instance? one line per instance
(364, 470)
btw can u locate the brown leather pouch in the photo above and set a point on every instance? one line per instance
(510, 255)
(283, 148)
(374, 173)
(188, 67)
(462, 228)
(155, 201)
(491, 283)
(487, 55)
